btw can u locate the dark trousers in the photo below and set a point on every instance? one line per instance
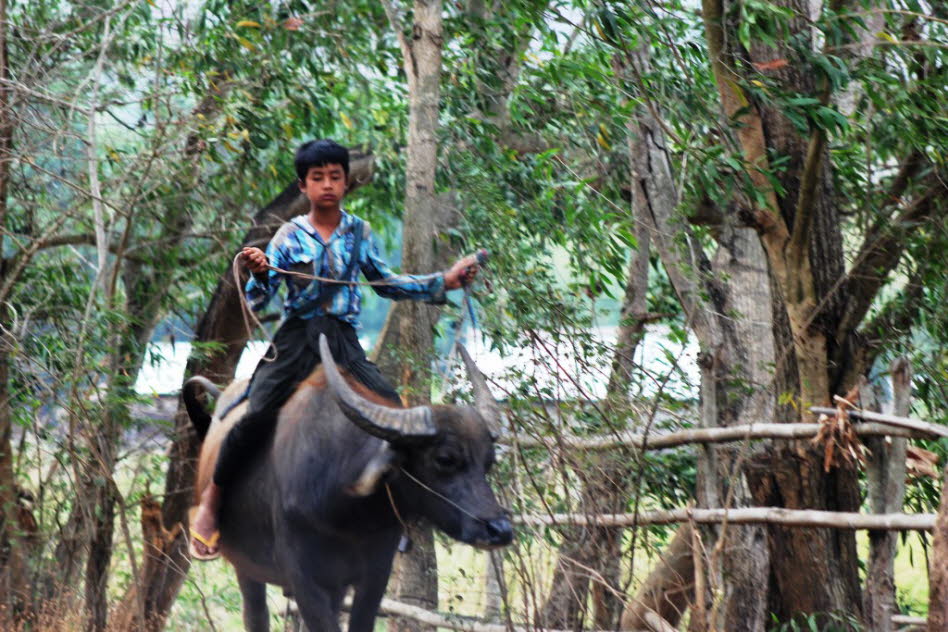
(297, 348)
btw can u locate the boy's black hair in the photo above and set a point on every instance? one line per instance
(319, 153)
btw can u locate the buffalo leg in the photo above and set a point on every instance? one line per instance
(317, 606)
(369, 592)
(256, 614)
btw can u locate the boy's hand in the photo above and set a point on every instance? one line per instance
(461, 273)
(254, 259)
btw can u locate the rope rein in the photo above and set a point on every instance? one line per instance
(399, 280)
(248, 315)
(442, 497)
(391, 499)
(405, 544)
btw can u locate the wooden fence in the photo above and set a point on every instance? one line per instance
(872, 425)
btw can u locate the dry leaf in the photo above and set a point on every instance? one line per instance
(921, 462)
(770, 65)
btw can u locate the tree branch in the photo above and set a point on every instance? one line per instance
(712, 435)
(395, 20)
(451, 622)
(881, 252)
(655, 199)
(798, 248)
(750, 131)
(748, 515)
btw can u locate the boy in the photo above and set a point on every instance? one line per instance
(329, 243)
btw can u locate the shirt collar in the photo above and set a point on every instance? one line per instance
(345, 225)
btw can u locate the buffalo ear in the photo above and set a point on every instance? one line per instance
(378, 466)
(197, 413)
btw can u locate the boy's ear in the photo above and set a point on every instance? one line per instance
(301, 184)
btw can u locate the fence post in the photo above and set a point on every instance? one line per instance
(886, 479)
(495, 593)
(938, 570)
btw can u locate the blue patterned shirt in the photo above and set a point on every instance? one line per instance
(297, 246)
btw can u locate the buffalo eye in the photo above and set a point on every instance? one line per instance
(446, 461)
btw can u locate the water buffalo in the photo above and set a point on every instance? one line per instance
(320, 508)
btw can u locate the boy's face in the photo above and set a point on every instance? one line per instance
(325, 186)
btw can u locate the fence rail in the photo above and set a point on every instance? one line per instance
(703, 435)
(741, 515)
(392, 607)
(873, 424)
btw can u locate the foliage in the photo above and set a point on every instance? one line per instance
(150, 132)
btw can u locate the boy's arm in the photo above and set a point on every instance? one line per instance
(420, 287)
(263, 282)
(429, 287)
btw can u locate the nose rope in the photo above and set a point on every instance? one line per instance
(443, 497)
(391, 499)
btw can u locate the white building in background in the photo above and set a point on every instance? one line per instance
(667, 364)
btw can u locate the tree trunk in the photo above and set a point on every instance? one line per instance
(938, 570)
(669, 590)
(412, 323)
(732, 323)
(801, 235)
(886, 479)
(12, 579)
(13, 582)
(142, 309)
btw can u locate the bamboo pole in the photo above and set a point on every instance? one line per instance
(893, 420)
(744, 515)
(392, 607)
(701, 435)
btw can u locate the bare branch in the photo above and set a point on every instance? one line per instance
(95, 188)
(747, 515)
(894, 420)
(714, 435)
(881, 252)
(452, 622)
(798, 248)
(395, 20)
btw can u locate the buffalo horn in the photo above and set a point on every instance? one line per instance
(390, 424)
(484, 401)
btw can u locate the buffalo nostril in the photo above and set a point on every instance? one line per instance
(499, 531)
